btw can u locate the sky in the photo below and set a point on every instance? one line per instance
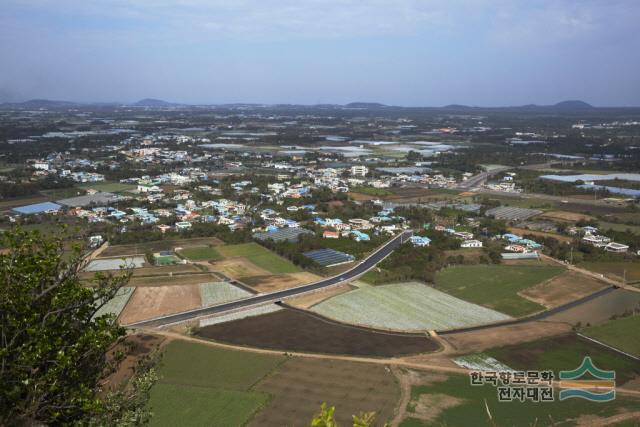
(397, 52)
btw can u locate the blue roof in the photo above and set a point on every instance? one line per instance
(37, 208)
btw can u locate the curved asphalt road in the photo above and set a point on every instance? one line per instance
(364, 266)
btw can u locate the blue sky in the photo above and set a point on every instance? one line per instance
(402, 52)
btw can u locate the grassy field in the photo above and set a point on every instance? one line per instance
(260, 256)
(496, 286)
(111, 187)
(200, 253)
(220, 292)
(622, 333)
(565, 353)
(454, 402)
(203, 385)
(405, 306)
(615, 268)
(603, 225)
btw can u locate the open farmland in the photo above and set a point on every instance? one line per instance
(405, 306)
(452, 402)
(202, 385)
(154, 301)
(117, 303)
(172, 280)
(599, 310)
(110, 187)
(260, 256)
(220, 292)
(295, 330)
(301, 385)
(480, 362)
(565, 353)
(106, 264)
(615, 269)
(158, 245)
(200, 253)
(566, 216)
(568, 286)
(496, 286)
(622, 333)
(271, 283)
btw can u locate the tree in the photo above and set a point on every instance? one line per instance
(55, 348)
(326, 418)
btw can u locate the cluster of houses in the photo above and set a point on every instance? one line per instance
(590, 235)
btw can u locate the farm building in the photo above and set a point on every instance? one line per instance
(616, 247)
(37, 208)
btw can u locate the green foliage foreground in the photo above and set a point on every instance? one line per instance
(53, 352)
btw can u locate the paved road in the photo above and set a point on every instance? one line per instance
(480, 178)
(349, 275)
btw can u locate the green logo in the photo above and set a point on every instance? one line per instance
(599, 389)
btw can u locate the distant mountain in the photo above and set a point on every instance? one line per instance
(573, 105)
(456, 107)
(44, 103)
(367, 105)
(151, 102)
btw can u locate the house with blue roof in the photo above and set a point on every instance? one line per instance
(513, 238)
(420, 241)
(359, 236)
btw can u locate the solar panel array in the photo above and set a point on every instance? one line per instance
(329, 257)
(290, 234)
(511, 213)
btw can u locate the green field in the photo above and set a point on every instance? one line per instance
(111, 187)
(260, 256)
(496, 286)
(604, 226)
(204, 385)
(565, 353)
(200, 253)
(615, 268)
(470, 409)
(622, 333)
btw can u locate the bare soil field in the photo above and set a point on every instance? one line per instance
(140, 345)
(298, 331)
(180, 280)
(523, 231)
(238, 268)
(301, 385)
(567, 287)
(159, 245)
(565, 216)
(163, 270)
(309, 300)
(475, 341)
(469, 254)
(154, 301)
(277, 282)
(600, 309)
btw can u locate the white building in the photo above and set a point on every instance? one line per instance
(359, 170)
(471, 244)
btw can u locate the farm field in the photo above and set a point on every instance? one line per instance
(220, 292)
(238, 268)
(407, 306)
(481, 362)
(524, 231)
(615, 270)
(175, 280)
(309, 300)
(294, 330)
(453, 402)
(109, 187)
(566, 287)
(599, 310)
(117, 303)
(271, 283)
(21, 201)
(199, 384)
(622, 333)
(565, 216)
(114, 264)
(301, 385)
(603, 225)
(496, 286)
(565, 353)
(237, 315)
(200, 253)
(483, 339)
(260, 256)
(158, 245)
(154, 301)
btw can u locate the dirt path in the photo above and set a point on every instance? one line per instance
(405, 395)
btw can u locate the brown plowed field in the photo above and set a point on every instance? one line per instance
(301, 385)
(567, 287)
(565, 216)
(176, 280)
(276, 282)
(294, 330)
(154, 301)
